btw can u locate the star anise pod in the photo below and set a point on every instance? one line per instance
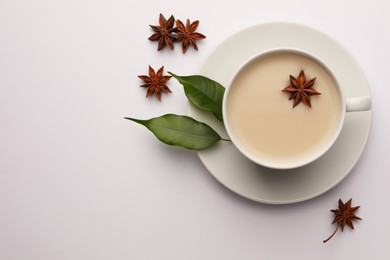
(155, 82)
(300, 89)
(345, 214)
(164, 33)
(187, 34)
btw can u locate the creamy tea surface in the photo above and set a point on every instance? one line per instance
(264, 120)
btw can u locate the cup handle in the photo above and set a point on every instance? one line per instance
(358, 104)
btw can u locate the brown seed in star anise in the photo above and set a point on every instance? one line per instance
(187, 34)
(345, 214)
(164, 33)
(155, 82)
(300, 89)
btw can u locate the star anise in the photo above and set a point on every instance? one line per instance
(300, 89)
(155, 82)
(187, 34)
(164, 33)
(345, 214)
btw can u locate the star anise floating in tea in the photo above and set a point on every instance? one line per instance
(166, 34)
(155, 82)
(345, 214)
(300, 89)
(187, 34)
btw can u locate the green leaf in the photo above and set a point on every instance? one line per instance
(181, 131)
(203, 92)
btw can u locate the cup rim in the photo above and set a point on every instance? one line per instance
(308, 159)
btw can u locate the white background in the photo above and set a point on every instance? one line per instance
(77, 181)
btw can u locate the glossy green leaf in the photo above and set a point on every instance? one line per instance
(203, 92)
(181, 131)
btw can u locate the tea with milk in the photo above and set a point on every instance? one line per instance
(262, 117)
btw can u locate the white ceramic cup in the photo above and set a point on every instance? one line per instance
(347, 105)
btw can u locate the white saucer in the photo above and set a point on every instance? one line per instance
(261, 184)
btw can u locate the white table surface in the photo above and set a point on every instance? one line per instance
(77, 181)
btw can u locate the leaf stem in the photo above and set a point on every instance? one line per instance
(326, 240)
(227, 140)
